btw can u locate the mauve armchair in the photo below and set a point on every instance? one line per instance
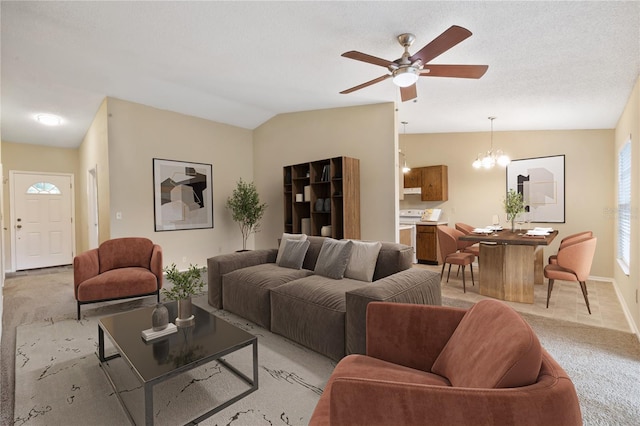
(120, 268)
(568, 240)
(436, 365)
(573, 263)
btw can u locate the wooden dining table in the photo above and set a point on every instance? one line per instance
(511, 263)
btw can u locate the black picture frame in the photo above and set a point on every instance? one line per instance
(182, 195)
(541, 181)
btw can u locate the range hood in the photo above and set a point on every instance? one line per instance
(417, 190)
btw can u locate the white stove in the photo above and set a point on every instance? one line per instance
(409, 218)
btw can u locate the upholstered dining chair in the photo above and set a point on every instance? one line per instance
(568, 240)
(572, 264)
(467, 246)
(448, 241)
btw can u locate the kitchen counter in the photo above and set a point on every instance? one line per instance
(432, 223)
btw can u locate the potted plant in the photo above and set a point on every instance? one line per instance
(185, 284)
(513, 205)
(246, 209)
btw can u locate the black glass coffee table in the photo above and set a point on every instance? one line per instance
(155, 361)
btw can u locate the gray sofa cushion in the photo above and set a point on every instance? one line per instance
(293, 253)
(283, 240)
(362, 263)
(391, 259)
(245, 291)
(333, 258)
(311, 311)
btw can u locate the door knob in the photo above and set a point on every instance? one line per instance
(19, 226)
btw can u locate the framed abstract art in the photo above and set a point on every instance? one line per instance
(541, 183)
(182, 195)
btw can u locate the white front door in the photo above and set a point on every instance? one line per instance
(41, 219)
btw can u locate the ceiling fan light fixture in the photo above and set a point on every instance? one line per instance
(405, 77)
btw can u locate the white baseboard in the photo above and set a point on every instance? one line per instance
(625, 308)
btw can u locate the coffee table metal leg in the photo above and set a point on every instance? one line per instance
(148, 404)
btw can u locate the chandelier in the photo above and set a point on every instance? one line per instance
(491, 158)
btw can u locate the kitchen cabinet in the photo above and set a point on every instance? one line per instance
(413, 178)
(435, 183)
(427, 244)
(427, 247)
(323, 193)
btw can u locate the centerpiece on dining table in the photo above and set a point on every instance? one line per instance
(513, 205)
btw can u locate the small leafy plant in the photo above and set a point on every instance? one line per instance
(513, 205)
(246, 209)
(185, 284)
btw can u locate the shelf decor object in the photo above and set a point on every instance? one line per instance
(541, 182)
(182, 194)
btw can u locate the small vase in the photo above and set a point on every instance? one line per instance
(160, 317)
(513, 225)
(185, 317)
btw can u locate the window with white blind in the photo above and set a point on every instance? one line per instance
(624, 206)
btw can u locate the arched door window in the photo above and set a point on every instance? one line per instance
(43, 188)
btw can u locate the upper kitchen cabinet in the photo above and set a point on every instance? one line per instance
(413, 178)
(435, 183)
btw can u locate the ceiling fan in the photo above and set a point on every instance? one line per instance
(406, 70)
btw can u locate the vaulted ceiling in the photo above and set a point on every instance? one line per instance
(552, 65)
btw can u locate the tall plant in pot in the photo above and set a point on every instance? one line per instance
(246, 209)
(513, 205)
(185, 285)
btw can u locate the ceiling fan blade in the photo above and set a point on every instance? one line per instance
(368, 83)
(408, 93)
(358, 56)
(441, 44)
(458, 71)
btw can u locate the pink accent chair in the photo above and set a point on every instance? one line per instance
(448, 242)
(568, 240)
(467, 246)
(437, 365)
(120, 268)
(572, 264)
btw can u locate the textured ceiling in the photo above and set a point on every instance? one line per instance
(552, 65)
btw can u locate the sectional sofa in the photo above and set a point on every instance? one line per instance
(315, 290)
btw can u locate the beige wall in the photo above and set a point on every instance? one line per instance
(93, 154)
(476, 195)
(629, 126)
(139, 133)
(366, 132)
(33, 158)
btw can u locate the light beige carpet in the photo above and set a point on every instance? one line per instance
(604, 364)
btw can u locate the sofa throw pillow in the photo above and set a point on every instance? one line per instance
(333, 258)
(293, 253)
(286, 237)
(492, 347)
(362, 263)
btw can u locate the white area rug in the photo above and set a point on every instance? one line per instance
(59, 381)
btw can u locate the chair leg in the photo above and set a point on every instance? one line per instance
(464, 283)
(458, 272)
(449, 273)
(472, 279)
(442, 272)
(583, 287)
(549, 289)
(78, 311)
